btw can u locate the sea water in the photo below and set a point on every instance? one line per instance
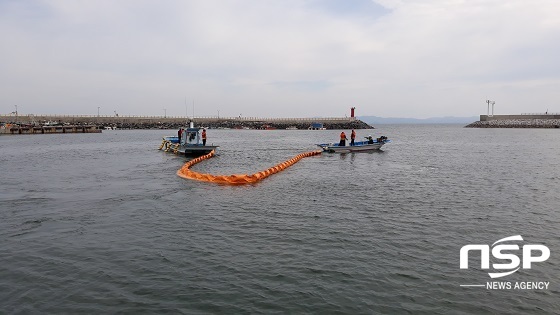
(101, 223)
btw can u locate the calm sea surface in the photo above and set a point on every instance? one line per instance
(100, 223)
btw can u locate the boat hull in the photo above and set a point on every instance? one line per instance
(171, 144)
(196, 150)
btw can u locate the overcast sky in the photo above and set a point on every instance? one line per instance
(280, 58)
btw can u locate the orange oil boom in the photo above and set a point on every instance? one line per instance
(237, 179)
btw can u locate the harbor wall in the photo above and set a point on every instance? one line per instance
(27, 130)
(517, 121)
(164, 119)
(522, 117)
(165, 122)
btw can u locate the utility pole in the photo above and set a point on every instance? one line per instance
(164, 113)
(98, 111)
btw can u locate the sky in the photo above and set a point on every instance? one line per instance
(279, 58)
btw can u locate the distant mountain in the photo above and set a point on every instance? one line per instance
(372, 120)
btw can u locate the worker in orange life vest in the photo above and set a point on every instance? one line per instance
(342, 139)
(352, 137)
(203, 136)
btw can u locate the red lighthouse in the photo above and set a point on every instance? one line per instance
(352, 111)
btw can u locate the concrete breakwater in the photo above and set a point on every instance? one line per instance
(159, 122)
(517, 121)
(31, 130)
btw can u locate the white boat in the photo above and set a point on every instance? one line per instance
(359, 146)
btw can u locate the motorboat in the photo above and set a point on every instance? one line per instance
(359, 146)
(190, 143)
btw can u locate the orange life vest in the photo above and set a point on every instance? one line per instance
(203, 134)
(342, 136)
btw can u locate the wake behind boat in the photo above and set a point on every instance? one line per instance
(359, 146)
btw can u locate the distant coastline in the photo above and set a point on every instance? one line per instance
(541, 120)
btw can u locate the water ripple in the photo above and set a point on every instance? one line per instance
(101, 223)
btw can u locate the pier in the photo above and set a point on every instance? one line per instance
(529, 120)
(172, 122)
(28, 130)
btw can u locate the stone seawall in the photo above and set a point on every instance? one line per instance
(30, 130)
(516, 123)
(355, 124)
(520, 117)
(133, 122)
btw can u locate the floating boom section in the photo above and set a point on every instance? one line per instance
(237, 179)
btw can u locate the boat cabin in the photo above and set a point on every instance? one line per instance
(191, 136)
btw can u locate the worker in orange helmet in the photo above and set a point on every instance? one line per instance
(342, 139)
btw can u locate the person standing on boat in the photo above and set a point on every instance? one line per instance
(180, 133)
(342, 139)
(204, 137)
(352, 137)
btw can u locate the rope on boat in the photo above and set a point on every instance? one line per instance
(237, 179)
